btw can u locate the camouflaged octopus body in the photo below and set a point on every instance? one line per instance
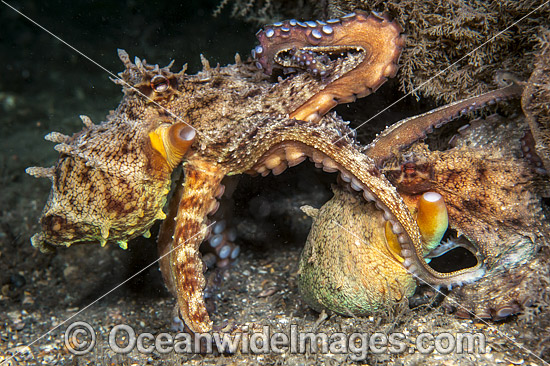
(109, 184)
(492, 181)
(499, 210)
(346, 266)
(493, 199)
(224, 121)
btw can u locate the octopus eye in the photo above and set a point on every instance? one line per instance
(432, 218)
(160, 83)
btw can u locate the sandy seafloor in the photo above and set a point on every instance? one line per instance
(44, 86)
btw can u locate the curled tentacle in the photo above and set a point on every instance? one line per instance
(282, 143)
(372, 45)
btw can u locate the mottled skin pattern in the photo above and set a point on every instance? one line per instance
(346, 266)
(242, 122)
(109, 184)
(492, 197)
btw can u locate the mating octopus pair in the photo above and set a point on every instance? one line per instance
(112, 180)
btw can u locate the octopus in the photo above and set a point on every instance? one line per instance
(260, 116)
(483, 189)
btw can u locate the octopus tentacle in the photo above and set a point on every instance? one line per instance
(529, 151)
(375, 39)
(292, 140)
(220, 249)
(181, 264)
(166, 234)
(281, 143)
(448, 245)
(404, 133)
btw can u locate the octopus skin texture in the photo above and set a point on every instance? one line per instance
(493, 199)
(493, 196)
(346, 266)
(112, 179)
(110, 183)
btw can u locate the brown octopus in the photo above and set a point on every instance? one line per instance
(492, 197)
(112, 179)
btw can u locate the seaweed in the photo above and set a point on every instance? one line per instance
(466, 41)
(261, 12)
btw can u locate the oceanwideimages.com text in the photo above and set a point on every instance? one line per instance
(80, 338)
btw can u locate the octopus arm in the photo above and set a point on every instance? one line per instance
(180, 238)
(376, 39)
(166, 234)
(535, 105)
(287, 142)
(405, 132)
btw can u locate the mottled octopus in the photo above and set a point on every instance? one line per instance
(487, 187)
(485, 190)
(112, 180)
